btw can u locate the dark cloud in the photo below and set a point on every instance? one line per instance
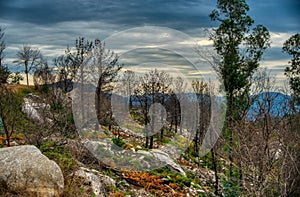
(175, 14)
(276, 15)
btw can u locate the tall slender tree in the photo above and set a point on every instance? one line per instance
(292, 47)
(240, 49)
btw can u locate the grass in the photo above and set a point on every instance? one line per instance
(21, 90)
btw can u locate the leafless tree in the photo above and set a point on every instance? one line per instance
(153, 88)
(4, 71)
(29, 57)
(43, 76)
(104, 66)
(2, 44)
(129, 81)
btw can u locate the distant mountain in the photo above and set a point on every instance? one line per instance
(275, 103)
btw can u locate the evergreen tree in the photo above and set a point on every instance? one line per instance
(292, 47)
(240, 49)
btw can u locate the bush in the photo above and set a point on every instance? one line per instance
(118, 141)
(4, 73)
(15, 78)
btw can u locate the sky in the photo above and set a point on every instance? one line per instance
(53, 25)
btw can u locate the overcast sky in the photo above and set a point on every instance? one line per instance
(52, 25)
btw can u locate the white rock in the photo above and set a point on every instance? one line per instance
(25, 170)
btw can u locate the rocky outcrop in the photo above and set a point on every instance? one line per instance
(152, 159)
(95, 180)
(163, 159)
(25, 170)
(35, 109)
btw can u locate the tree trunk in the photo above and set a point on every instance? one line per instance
(147, 142)
(98, 102)
(26, 72)
(230, 128)
(161, 134)
(151, 142)
(6, 132)
(214, 162)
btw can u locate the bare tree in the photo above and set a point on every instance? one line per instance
(105, 67)
(129, 80)
(43, 76)
(4, 72)
(176, 96)
(68, 65)
(202, 92)
(152, 88)
(65, 72)
(30, 57)
(2, 44)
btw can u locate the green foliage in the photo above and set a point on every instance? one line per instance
(57, 153)
(4, 74)
(1, 126)
(230, 188)
(173, 177)
(231, 185)
(118, 141)
(226, 148)
(240, 50)
(207, 161)
(136, 116)
(10, 111)
(292, 47)
(15, 78)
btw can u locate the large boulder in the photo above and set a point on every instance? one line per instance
(25, 170)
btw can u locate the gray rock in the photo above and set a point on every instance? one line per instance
(25, 170)
(162, 159)
(144, 159)
(94, 179)
(142, 193)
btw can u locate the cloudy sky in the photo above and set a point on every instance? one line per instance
(53, 25)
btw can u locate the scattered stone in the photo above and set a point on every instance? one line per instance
(200, 191)
(14, 143)
(99, 183)
(141, 193)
